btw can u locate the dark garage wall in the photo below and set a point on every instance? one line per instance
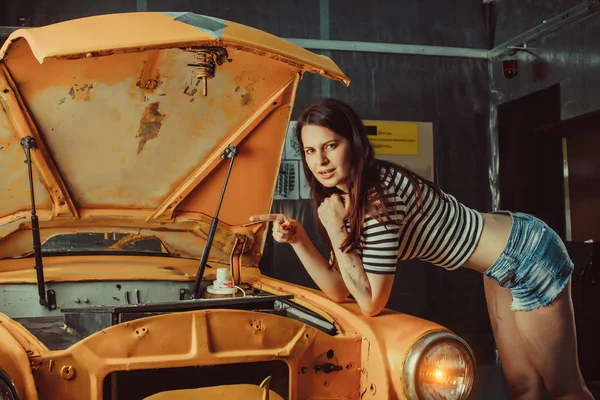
(569, 57)
(513, 17)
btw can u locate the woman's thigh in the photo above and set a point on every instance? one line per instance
(551, 344)
(521, 376)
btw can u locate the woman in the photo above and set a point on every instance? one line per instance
(374, 212)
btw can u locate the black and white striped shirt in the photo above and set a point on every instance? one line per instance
(444, 232)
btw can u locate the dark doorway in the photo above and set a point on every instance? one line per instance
(531, 166)
(581, 141)
(581, 138)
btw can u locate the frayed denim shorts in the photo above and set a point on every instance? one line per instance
(534, 265)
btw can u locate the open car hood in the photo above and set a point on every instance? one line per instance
(129, 137)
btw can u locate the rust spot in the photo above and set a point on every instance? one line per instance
(151, 84)
(150, 75)
(150, 124)
(246, 98)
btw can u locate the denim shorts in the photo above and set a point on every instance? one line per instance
(534, 265)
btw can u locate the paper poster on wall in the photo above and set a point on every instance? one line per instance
(288, 181)
(292, 147)
(393, 137)
(304, 187)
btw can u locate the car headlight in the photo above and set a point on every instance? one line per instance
(439, 366)
(7, 387)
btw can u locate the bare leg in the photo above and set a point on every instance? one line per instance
(521, 376)
(548, 334)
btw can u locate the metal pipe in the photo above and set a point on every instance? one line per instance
(392, 48)
(574, 14)
(324, 30)
(142, 5)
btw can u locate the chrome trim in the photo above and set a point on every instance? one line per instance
(4, 378)
(416, 352)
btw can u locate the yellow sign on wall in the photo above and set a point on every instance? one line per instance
(391, 137)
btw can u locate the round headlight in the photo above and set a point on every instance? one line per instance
(439, 366)
(7, 387)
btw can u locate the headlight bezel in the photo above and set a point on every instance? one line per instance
(7, 382)
(421, 347)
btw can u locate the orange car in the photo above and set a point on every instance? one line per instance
(133, 149)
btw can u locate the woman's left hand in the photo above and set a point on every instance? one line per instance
(333, 212)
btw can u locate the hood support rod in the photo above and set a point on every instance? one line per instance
(230, 152)
(28, 143)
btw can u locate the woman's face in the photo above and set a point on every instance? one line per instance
(327, 155)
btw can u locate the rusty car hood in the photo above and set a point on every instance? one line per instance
(129, 138)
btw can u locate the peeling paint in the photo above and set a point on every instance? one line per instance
(150, 124)
(80, 93)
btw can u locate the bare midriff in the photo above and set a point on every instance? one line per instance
(494, 236)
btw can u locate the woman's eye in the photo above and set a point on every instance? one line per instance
(309, 151)
(331, 146)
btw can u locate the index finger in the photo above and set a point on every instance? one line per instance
(268, 218)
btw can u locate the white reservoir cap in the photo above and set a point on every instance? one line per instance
(222, 274)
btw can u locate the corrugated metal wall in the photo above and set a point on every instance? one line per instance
(569, 57)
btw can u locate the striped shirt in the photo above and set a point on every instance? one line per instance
(444, 232)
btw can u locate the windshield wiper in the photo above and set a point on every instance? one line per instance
(230, 152)
(28, 143)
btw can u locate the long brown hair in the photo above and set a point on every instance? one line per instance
(364, 181)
